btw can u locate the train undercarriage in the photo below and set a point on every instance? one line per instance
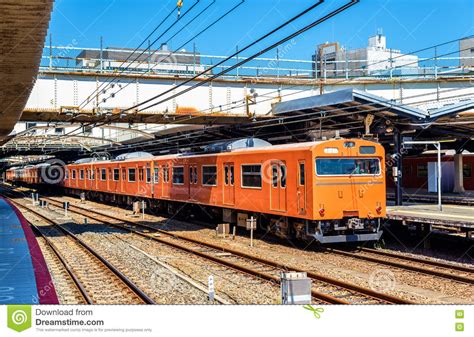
(323, 232)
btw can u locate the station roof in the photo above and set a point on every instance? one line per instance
(364, 102)
(23, 29)
(453, 120)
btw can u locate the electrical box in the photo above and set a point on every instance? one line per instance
(295, 288)
(223, 228)
(242, 219)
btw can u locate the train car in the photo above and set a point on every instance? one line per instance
(416, 173)
(331, 191)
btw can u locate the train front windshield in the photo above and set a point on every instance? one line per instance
(347, 166)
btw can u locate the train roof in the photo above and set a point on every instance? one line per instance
(272, 148)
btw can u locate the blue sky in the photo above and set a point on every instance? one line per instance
(408, 24)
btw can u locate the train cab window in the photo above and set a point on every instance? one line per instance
(301, 174)
(73, 174)
(148, 175)
(283, 176)
(81, 175)
(178, 175)
(140, 174)
(166, 174)
(156, 175)
(209, 175)
(252, 176)
(131, 175)
(124, 174)
(347, 166)
(116, 174)
(103, 174)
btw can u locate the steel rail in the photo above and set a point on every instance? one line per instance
(132, 286)
(331, 281)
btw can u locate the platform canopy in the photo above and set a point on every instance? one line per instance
(348, 110)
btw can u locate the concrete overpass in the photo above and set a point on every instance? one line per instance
(23, 28)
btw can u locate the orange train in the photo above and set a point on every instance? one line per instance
(331, 191)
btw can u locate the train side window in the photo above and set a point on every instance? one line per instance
(302, 174)
(196, 175)
(116, 174)
(156, 178)
(73, 173)
(274, 176)
(66, 174)
(422, 170)
(209, 175)
(467, 170)
(131, 175)
(81, 175)
(178, 175)
(251, 176)
(226, 175)
(103, 174)
(148, 175)
(232, 175)
(166, 174)
(283, 176)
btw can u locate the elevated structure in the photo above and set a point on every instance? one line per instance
(23, 29)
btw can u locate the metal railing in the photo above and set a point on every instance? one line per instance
(61, 59)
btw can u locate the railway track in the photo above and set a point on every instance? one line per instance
(325, 289)
(96, 279)
(435, 268)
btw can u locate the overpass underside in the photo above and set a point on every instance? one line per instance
(23, 28)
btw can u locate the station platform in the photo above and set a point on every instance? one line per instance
(422, 195)
(24, 275)
(454, 216)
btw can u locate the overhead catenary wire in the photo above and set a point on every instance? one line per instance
(141, 44)
(192, 38)
(286, 120)
(143, 51)
(173, 36)
(265, 36)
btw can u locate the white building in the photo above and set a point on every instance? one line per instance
(331, 60)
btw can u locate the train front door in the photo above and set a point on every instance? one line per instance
(278, 187)
(229, 184)
(301, 188)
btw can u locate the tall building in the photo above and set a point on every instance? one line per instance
(466, 52)
(332, 60)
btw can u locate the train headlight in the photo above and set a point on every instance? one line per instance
(322, 211)
(379, 210)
